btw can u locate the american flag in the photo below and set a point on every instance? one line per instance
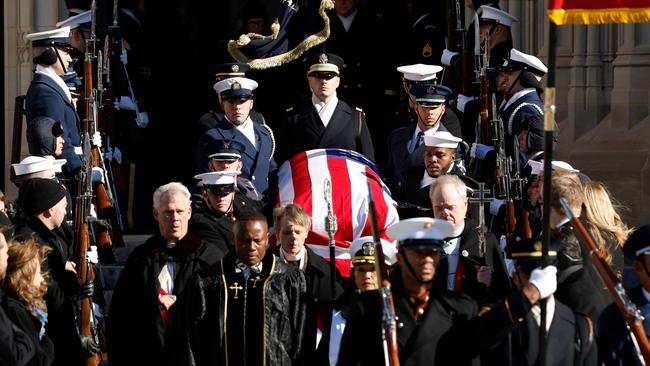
(301, 181)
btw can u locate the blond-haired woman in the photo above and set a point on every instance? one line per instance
(26, 285)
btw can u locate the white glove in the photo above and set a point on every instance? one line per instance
(495, 205)
(479, 151)
(545, 280)
(91, 255)
(113, 153)
(98, 175)
(97, 139)
(447, 56)
(461, 102)
(124, 58)
(142, 119)
(93, 213)
(124, 102)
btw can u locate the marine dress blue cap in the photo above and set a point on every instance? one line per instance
(430, 94)
(226, 150)
(323, 63)
(220, 183)
(54, 37)
(421, 233)
(419, 72)
(235, 88)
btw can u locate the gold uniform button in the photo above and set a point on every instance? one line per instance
(420, 311)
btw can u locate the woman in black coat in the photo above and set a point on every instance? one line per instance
(26, 286)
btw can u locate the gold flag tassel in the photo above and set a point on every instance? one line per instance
(234, 46)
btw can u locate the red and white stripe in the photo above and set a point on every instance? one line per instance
(301, 181)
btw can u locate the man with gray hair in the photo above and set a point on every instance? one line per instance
(153, 279)
(476, 270)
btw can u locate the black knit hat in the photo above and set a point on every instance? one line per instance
(39, 194)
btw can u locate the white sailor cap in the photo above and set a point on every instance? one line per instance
(57, 37)
(523, 61)
(421, 233)
(538, 166)
(362, 251)
(76, 20)
(442, 139)
(490, 14)
(236, 88)
(35, 164)
(419, 72)
(58, 165)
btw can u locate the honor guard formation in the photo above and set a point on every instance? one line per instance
(374, 196)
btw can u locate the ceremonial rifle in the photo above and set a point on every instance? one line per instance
(82, 240)
(629, 311)
(483, 121)
(481, 228)
(103, 200)
(519, 184)
(389, 318)
(331, 226)
(455, 37)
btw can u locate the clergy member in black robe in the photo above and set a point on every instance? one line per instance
(248, 309)
(324, 121)
(155, 275)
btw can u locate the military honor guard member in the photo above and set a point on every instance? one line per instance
(248, 309)
(430, 319)
(439, 159)
(236, 98)
(512, 327)
(406, 144)
(324, 121)
(221, 204)
(143, 307)
(49, 96)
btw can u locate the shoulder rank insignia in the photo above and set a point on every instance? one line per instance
(427, 51)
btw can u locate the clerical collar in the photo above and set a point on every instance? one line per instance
(241, 267)
(300, 257)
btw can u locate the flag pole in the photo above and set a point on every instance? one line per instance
(549, 118)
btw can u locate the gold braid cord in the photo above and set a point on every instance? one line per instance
(265, 63)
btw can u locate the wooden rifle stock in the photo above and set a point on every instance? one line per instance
(389, 318)
(628, 310)
(525, 223)
(82, 242)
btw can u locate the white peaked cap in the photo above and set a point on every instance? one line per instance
(419, 72)
(389, 249)
(421, 228)
(218, 178)
(236, 82)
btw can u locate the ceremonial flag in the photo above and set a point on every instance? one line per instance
(598, 11)
(292, 33)
(301, 181)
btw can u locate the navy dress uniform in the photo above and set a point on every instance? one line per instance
(526, 102)
(258, 139)
(511, 328)
(431, 328)
(406, 144)
(49, 96)
(334, 125)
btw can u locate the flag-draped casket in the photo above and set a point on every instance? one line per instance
(301, 180)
